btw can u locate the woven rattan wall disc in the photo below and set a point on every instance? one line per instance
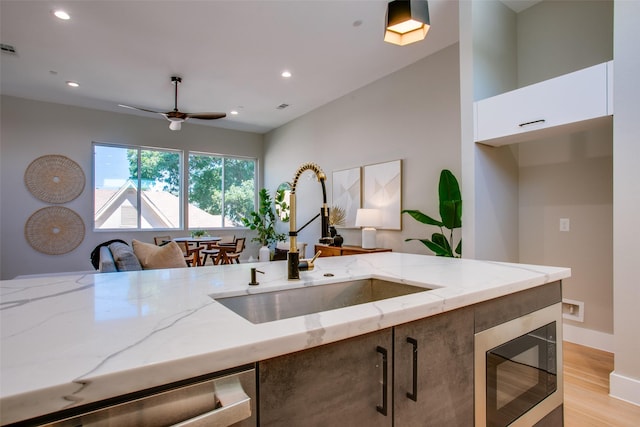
(54, 230)
(54, 179)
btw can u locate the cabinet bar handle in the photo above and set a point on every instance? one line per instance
(414, 394)
(383, 409)
(531, 123)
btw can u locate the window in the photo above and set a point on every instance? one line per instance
(120, 172)
(221, 190)
(222, 187)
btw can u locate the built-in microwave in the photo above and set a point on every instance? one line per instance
(518, 369)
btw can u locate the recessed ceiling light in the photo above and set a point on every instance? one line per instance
(234, 113)
(61, 14)
(286, 74)
(73, 84)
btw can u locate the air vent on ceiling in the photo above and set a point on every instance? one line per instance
(282, 106)
(7, 48)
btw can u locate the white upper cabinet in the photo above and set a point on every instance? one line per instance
(542, 108)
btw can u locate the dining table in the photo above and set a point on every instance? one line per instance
(202, 242)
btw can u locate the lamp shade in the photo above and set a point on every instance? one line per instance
(407, 21)
(175, 124)
(368, 218)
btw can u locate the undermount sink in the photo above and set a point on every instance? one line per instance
(283, 304)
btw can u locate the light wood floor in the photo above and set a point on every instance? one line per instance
(586, 390)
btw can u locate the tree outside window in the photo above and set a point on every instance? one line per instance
(220, 186)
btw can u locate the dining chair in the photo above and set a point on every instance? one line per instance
(235, 255)
(160, 240)
(191, 255)
(212, 250)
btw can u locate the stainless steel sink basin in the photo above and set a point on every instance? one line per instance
(270, 306)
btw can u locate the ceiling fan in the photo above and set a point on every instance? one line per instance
(176, 117)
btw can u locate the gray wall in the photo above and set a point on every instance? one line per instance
(625, 380)
(521, 191)
(411, 115)
(31, 129)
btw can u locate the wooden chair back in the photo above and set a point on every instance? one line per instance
(235, 256)
(159, 240)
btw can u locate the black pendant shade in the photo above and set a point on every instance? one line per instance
(407, 21)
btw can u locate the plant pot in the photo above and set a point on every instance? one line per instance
(264, 255)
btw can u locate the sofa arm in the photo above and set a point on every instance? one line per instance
(107, 263)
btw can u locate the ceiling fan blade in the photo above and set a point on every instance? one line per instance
(206, 116)
(139, 109)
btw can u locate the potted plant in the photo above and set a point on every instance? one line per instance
(451, 218)
(263, 222)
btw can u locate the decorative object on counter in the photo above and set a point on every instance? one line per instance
(54, 230)
(451, 217)
(281, 201)
(337, 217)
(54, 179)
(368, 219)
(264, 222)
(406, 21)
(383, 190)
(347, 194)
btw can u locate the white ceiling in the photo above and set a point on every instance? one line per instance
(229, 53)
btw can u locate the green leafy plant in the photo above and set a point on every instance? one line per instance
(197, 233)
(263, 221)
(451, 218)
(282, 202)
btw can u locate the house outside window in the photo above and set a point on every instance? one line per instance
(141, 188)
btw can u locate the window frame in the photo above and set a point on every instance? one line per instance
(184, 183)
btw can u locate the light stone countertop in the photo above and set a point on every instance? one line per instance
(75, 339)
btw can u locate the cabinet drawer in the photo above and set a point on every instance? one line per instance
(567, 99)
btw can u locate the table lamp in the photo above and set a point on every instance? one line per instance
(368, 219)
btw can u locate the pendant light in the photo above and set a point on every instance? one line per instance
(407, 21)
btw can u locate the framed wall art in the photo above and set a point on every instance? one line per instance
(383, 190)
(347, 194)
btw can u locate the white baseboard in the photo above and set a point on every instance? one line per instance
(624, 388)
(588, 337)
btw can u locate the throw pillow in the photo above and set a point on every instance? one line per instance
(124, 257)
(152, 256)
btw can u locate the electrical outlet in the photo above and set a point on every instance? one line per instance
(564, 224)
(573, 310)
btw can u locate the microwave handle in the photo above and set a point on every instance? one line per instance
(236, 406)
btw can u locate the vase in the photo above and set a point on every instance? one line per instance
(338, 240)
(264, 255)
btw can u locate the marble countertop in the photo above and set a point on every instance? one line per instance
(75, 339)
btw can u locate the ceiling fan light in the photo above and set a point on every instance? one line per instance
(407, 21)
(175, 124)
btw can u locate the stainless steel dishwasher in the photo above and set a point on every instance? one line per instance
(224, 400)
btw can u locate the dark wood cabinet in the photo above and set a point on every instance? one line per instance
(357, 381)
(338, 384)
(346, 250)
(433, 369)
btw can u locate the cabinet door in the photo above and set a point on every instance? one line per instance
(574, 97)
(338, 384)
(434, 388)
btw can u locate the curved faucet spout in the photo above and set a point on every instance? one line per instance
(293, 255)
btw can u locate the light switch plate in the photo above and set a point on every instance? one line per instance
(564, 224)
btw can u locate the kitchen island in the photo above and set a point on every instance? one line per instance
(71, 340)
